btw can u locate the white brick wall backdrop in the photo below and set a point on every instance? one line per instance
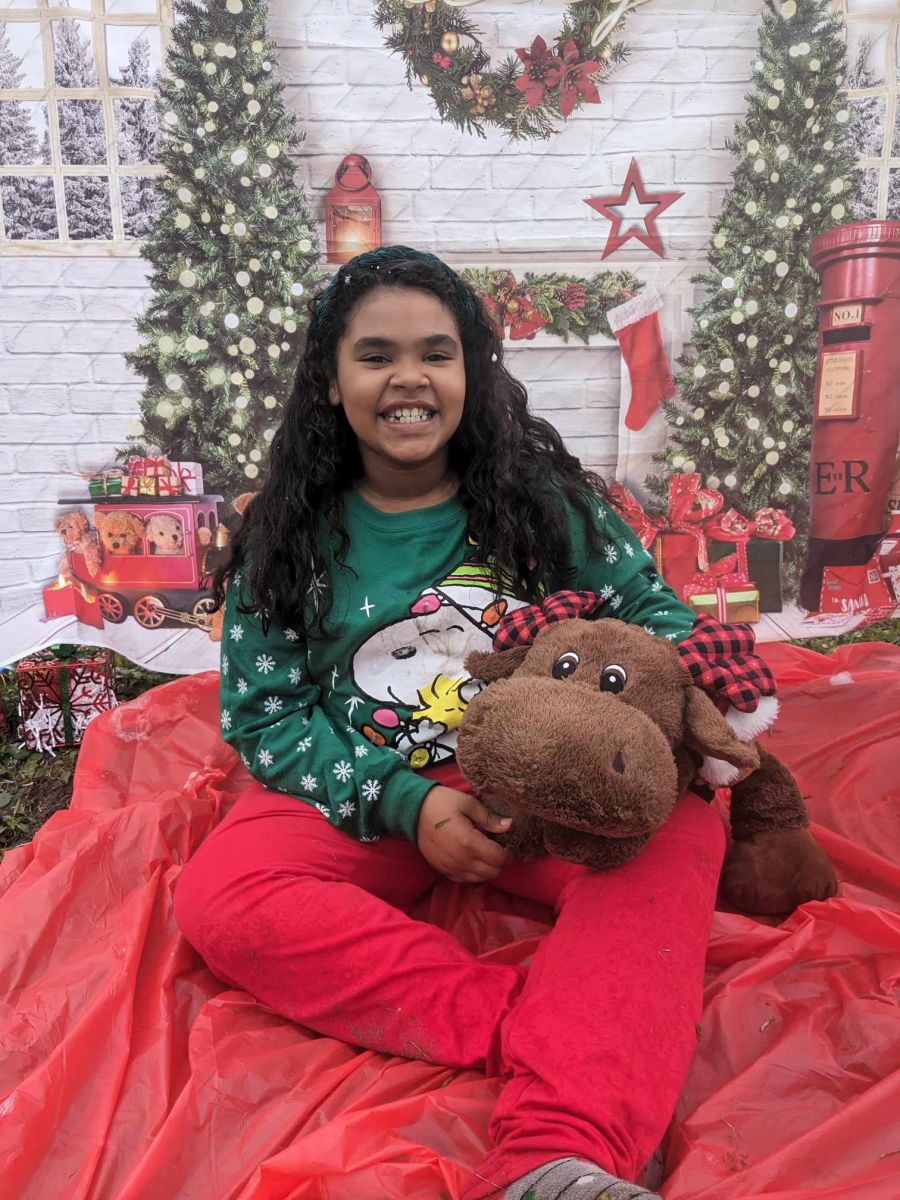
(66, 395)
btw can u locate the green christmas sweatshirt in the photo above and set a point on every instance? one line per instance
(348, 721)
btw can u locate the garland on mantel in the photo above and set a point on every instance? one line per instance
(559, 304)
(527, 95)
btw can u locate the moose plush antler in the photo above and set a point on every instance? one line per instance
(589, 732)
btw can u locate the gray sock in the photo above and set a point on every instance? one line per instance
(574, 1179)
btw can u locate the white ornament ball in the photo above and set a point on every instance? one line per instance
(837, 186)
(689, 466)
(782, 153)
(256, 46)
(752, 341)
(276, 254)
(270, 211)
(753, 390)
(246, 345)
(135, 429)
(768, 442)
(232, 320)
(787, 426)
(720, 241)
(737, 318)
(237, 378)
(270, 401)
(815, 64)
(246, 181)
(751, 307)
(781, 269)
(253, 107)
(727, 364)
(264, 170)
(788, 9)
(778, 85)
(730, 480)
(164, 409)
(704, 441)
(290, 326)
(217, 376)
(193, 344)
(166, 344)
(242, 401)
(750, 208)
(275, 316)
(248, 88)
(784, 489)
(713, 481)
(213, 106)
(254, 264)
(240, 228)
(182, 221)
(185, 195)
(255, 305)
(170, 118)
(781, 221)
(242, 278)
(255, 455)
(842, 116)
(199, 49)
(187, 147)
(269, 434)
(773, 102)
(209, 126)
(225, 227)
(273, 149)
(207, 307)
(759, 164)
(205, 217)
(678, 460)
(753, 146)
(781, 390)
(239, 156)
(753, 422)
(220, 49)
(699, 371)
(838, 211)
(251, 470)
(200, 172)
(728, 283)
(698, 414)
(234, 6)
(772, 457)
(724, 387)
(274, 351)
(774, 177)
(210, 68)
(296, 289)
(187, 278)
(267, 66)
(817, 207)
(233, 439)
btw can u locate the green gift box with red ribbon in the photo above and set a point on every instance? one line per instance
(61, 690)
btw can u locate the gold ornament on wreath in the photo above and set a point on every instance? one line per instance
(527, 95)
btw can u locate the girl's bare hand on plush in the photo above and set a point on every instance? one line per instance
(450, 836)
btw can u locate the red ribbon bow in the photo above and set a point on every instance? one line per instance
(690, 505)
(514, 306)
(773, 524)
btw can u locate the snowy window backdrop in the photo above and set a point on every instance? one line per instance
(78, 122)
(873, 87)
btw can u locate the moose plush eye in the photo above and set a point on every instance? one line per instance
(565, 665)
(613, 678)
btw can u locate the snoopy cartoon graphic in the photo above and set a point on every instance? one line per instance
(417, 663)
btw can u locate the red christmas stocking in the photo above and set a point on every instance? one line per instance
(635, 325)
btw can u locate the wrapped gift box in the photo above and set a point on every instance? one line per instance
(61, 690)
(191, 476)
(765, 564)
(105, 483)
(675, 556)
(728, 600)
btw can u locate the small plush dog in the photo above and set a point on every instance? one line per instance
(120, 532)
(78, 538)
(164, 534)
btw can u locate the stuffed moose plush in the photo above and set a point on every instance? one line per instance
(587, 735)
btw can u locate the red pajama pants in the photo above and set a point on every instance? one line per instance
(593, 1040)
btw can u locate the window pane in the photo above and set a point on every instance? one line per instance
(22, 64)
(73, 56)
(136, 129)
(82, 133)
(868, 125)
(866, 208)
(141, 204)
(893, 204)
(23, 132)
(895, 143)
(133, 55)
(87, 207)
(130, 6)
(866, 47)
(29, 209)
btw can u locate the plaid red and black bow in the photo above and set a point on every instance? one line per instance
(722, 662)
(720, 658)
(521, 627)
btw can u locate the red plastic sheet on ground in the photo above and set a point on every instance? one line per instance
(127, 1072)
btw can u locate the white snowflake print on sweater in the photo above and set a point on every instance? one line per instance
(226, 719)
(273, 704)
(361, 751)
(291, 635)
(265, 663)
(371, 790)
(242, 686)
(343, 771)
(295, 674)
(610, 553)
(264, 758)
(347, 809)
(304, 744)
(309, 783)
(236, 632)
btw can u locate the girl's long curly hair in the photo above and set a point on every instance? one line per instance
(513, 466)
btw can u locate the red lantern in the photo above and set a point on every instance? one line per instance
(352, 211)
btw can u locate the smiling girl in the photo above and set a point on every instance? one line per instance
(412, 499)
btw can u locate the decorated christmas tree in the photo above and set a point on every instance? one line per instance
(233, 252)
(744, 415)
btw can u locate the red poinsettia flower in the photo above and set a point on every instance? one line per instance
(542, 71)
(576, 80)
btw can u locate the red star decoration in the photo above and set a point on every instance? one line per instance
(606, 205)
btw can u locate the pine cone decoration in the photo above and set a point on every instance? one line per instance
(574, 297)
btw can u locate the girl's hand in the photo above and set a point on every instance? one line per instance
(450, 838)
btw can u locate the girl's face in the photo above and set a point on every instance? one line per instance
(401, 378)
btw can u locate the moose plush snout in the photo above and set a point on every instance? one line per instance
(584, 737)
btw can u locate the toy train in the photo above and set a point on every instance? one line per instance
(137, 575)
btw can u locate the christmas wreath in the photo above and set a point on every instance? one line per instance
(562, 305)
(527, 94)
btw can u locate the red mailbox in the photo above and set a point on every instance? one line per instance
(856, 400)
